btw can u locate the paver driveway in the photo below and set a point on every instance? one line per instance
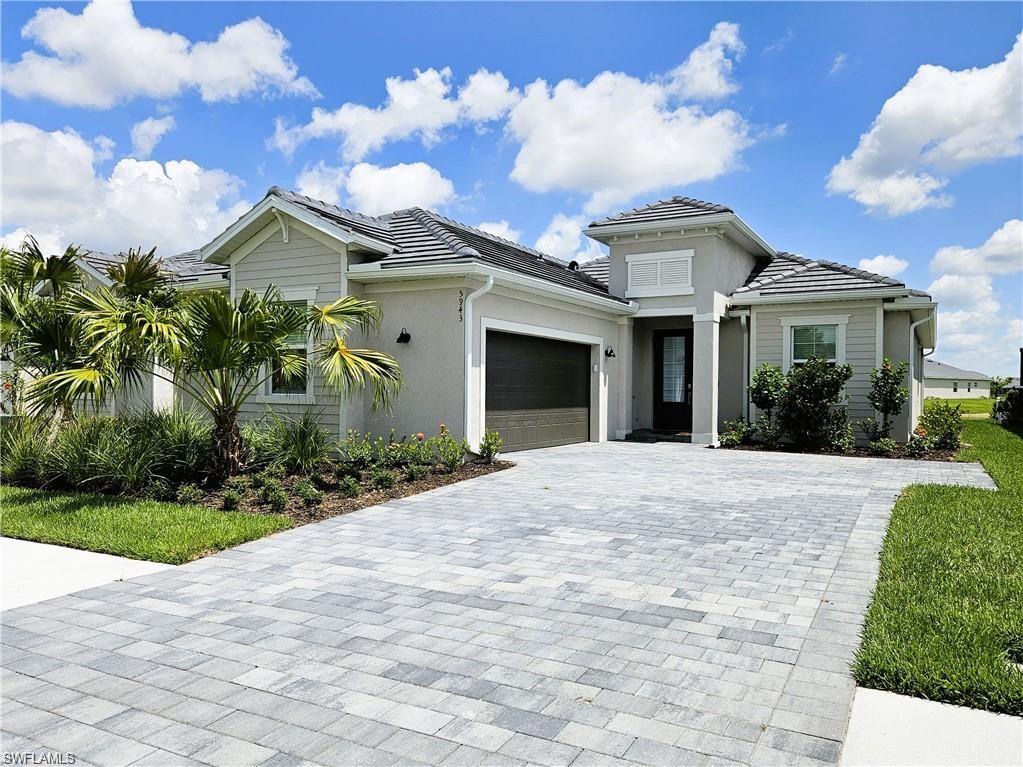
(660, 604)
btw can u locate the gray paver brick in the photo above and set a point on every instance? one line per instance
(576, 609)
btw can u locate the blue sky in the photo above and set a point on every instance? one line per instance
(751, 105)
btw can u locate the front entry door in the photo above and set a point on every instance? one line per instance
(673, 380)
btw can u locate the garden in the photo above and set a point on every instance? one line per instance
(803, 411)
(177, 484)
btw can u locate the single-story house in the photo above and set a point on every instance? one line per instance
(948, 382)
(663, 333)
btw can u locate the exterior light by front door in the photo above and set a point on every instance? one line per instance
(404, 336)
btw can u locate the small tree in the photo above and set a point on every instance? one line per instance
(809, 412)
(766, 387)
(887, 394)
(998, 384)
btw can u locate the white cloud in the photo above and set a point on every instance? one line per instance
(838, 64)
(374, 190)
(419, 107)
(781, 43)
(322, 182)
(965, 292)
(103, 56)
(501, 229)
(50, 187)
(707, 71)
(1002, 253)
(939, 122)
(617, 137)
(147, 134)
(890, 266)
(563, 238)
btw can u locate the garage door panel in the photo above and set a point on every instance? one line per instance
(537, 390)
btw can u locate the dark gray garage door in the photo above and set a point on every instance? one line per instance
(538, 390)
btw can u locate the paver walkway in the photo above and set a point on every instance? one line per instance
(598, 604)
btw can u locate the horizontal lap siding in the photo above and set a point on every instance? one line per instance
(300, 263)
(860, 344)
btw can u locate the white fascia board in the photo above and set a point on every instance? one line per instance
(374, 272)
(909, 304)
(300, 214)
(692, 224)
(95, 273)
(754, 298)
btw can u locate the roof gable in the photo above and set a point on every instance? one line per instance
(788, 274)
(663, 210)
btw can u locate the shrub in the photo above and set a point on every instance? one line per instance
(768, 432)
(22, 444)
(842, 439)
(239, 484)
(268, 487)
(490, 446)
(416, 471)
(917, 446)
(295, 445)
(189, 493)
(450, 451)
(159, 490)
(1008, 409)
(308, 493)
(942, 424)
(230, 499)
(808, 412)
(349, 487)
(883, 446)
(357, 450)
(736, 432)
(887, 394)
(766, 387)
(382, 479)
(71, 458)
(870, 429)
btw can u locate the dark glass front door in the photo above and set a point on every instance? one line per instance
(673, 380)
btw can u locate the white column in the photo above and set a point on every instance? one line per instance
(705, 379)
(623, 361)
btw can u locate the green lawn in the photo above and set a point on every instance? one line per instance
(160, 532)
(947, 615)
(968, 406)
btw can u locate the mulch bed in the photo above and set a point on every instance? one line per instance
(334, 503)
(856, 452)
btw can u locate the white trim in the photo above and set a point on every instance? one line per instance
(753, 363)
(666, 311)
(659, 292)
(829, 296)
(693, 226)
(707, 317)
(283, 221)
(787, 323)
(90, 270)
(307, 294)
(374, 272)
(473, 433)
(660, 258)
(744, 322)
(239, 253)
(879, 337)
(598, 393)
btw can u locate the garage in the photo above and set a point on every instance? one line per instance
(537, 390)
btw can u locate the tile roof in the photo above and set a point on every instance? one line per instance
(935, 369)
(787, 274)
(421, 236)
(663, 210)
(185, 267)
(599, 269)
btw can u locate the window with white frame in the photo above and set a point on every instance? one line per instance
(806, 337)
(669, 273)
(955, 386)
(299, 344)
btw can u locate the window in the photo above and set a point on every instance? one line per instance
(969, 387)
(814, 341)
(299, 343)
(955, 386)
(806, 337)
(673, 388)
(660, 274)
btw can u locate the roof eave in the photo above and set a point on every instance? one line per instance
(691, 225)
(753, 298)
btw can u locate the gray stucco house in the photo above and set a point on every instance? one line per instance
(662, 333)
(949, 382)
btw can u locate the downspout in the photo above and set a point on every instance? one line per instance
(745, 367)
(912, 353)
(467, 319)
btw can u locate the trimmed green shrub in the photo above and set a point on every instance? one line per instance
(490, 446)
(917, 446)
(450, 451)
(239, 484)
(416, 471)
(767, 432)
(357, 450)
(230, 500)
(766, 387)
(870, 429)
(942, 424)
(308, 493)
(268, 486)
(349, 487)
(736, 433)
(809, 412)
(189, 493)
(382, 479)
(159, 490)
(887, 394)
(883, 446)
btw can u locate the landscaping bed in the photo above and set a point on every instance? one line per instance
(856, 452)
(946, 619)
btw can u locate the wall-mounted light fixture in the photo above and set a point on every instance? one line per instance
(609, 352)
(404, 336)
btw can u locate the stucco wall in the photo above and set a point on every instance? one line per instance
(730, 371)
(942, 388)
(861, 342)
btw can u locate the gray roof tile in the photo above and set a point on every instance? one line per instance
(599, 269)
(185, 267)
(664, 210)
(787, 273)
(935, 369)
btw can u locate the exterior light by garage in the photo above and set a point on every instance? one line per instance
(404, 337)
(609, 352)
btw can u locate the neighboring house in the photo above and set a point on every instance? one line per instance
(947, 382)
(661, 334)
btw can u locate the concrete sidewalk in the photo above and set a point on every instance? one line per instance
(33, 572)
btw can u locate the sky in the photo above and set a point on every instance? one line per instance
(884, 136)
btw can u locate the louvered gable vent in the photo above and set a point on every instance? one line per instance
(660, 274)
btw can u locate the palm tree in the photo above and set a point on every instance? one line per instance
(221, 352)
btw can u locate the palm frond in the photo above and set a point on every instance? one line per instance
(138, 274)
(351, 370)
(344, 314)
